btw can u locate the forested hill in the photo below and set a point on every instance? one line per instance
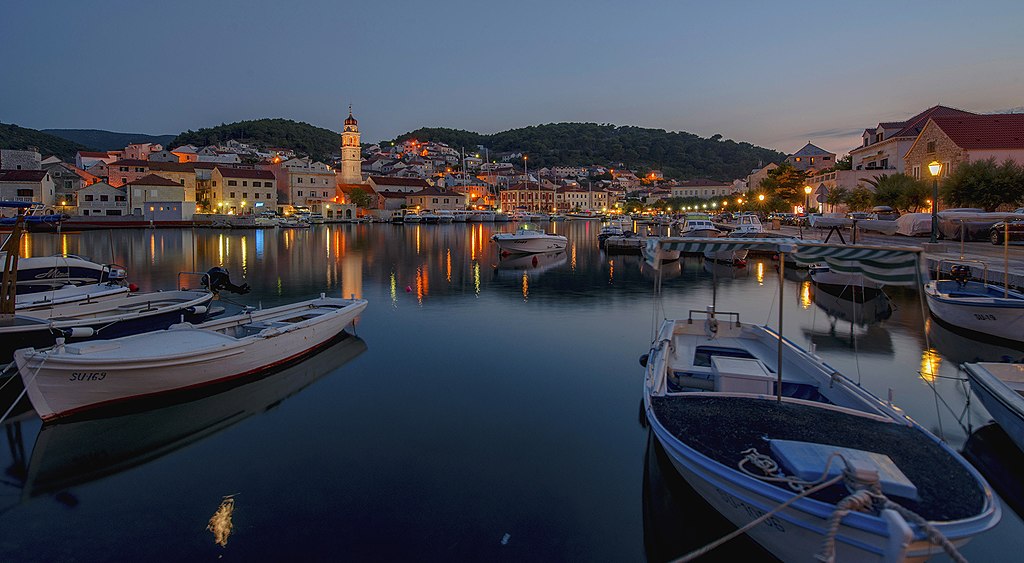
(20, 138)
(102, 140)
(316, 142)
(680, 155)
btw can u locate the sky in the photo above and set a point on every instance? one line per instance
(776, 74)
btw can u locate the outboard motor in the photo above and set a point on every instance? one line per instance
(218, 278)
(960, 273)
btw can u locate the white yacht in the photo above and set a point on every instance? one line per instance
(528, 239)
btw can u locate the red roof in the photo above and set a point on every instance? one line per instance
(393, 181)
(22, 175)
(998, 131)
(245, 173)
(912, 127)
(154, 180)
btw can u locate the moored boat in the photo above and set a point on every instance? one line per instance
(528, 239)
(70, 378)
(978, 307)
(1000, 386)
(768, 434)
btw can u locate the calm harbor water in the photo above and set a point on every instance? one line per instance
(488, 409)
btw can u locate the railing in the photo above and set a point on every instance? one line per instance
(709, 314)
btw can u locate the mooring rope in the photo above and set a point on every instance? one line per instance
(23, 391)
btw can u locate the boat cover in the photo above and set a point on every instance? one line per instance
(914, 224)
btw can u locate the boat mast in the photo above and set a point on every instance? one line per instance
(8, 289)
(778, 369)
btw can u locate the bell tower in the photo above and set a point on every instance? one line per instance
(351, 161)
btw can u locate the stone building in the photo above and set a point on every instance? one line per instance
(884, 145)
(812, 157)
(20, 160)
(351, 170)
(955, 139)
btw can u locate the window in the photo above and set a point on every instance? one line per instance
(124, 180)
(917, 172)
(88, 197)
(256, 195)
(245, 195)
(300, 193)
(826, 158)
(232, 183)
(298, 180)
(878, 137)
(182, 181)
(798, 159)
(119, 198)
(245, 183)
(123, 169)
(931, 146)
(215, 183)
(67, 184)
(232, 196)
(139, 169)
(257, 184)
(104, 198)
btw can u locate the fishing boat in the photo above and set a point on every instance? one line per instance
(528, 238)
(768, 434)
(978, 307)
(71, 452)
(1000, 386)
(71, 294)
(71, 378)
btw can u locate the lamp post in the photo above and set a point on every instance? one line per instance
(807, 199)
(935, 168)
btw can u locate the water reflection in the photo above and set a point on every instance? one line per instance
(77, 451)
(532, 264)
(852, 325)
(1000, 461)
(959, 347)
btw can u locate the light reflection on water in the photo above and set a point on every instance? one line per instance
(496, 396)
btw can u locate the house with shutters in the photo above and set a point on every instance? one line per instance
(241, 190)
(884, 146)
(955, 139)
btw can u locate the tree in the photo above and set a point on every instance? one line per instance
(898, 191)
(984, 184)
(783, 187)
(359, 197)
(845, 163)
(837, 196)
(860, 199)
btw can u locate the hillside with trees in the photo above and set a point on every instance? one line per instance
(315, 142)
(677, 154)
(20, 138)
(106, 140)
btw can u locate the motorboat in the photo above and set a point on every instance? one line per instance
(698, 225)
(430, 217)
(528, 238)
(46, 273)
(71, 378)
(292, 223)
(315, 219)
(460, 216)
(800, 457)
(747, 226)
(583, 216)
(500, 217)
(412, 217)
(398, 217)
(446, 216)
(482, 217)
(979, 307)
(1000, 386)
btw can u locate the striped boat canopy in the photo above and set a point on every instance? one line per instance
(882, 264)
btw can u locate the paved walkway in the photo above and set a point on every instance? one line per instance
(986, 252)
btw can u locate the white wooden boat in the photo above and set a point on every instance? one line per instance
(120, 316)
(71, 378)
(71, 294)
(698, 225)
(68, 453)
(528, 239)
(1001, 389)
(977, 307)
(724, 398)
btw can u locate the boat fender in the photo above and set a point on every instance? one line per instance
(643, 359)
(197, 310)
(79, 332)
(133, 288)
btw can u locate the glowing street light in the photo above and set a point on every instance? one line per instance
(760, 197)
(935, 168)
(807, 198)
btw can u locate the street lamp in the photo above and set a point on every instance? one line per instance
(935, 168)
(807, 198)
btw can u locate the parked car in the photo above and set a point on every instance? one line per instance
(1014, 226)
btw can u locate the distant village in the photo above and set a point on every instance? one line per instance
(149, 182)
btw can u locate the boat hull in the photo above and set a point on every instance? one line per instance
(62, 384)
(1005, 405)
(795, 533)
(1003, 318)
(529, 245)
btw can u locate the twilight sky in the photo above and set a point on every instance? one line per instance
(773, 73)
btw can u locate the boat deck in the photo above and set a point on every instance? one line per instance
(723, 427)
